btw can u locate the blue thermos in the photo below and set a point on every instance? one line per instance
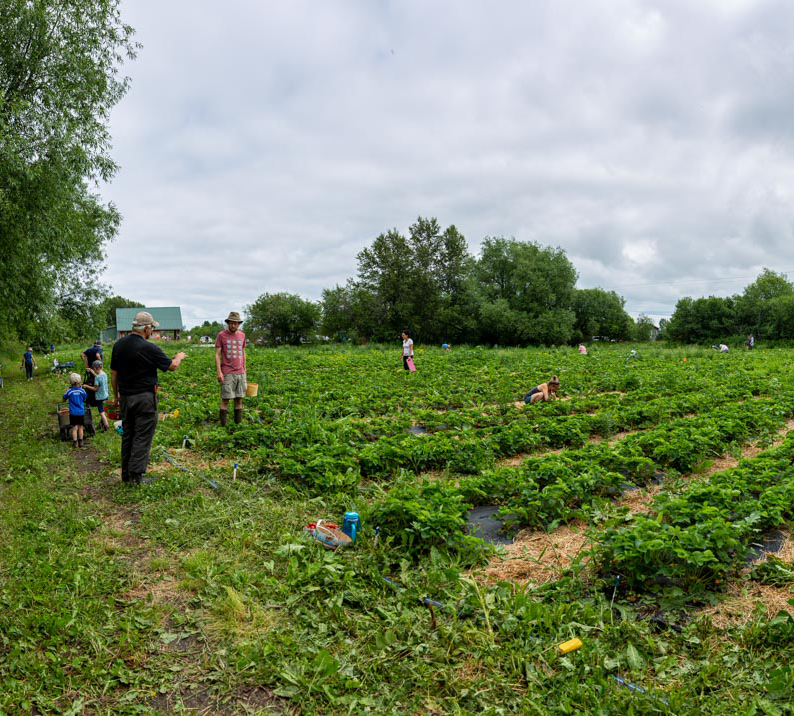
(351, 524)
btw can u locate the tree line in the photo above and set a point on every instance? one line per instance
(765, 310)
(512, 293)
(427, 282)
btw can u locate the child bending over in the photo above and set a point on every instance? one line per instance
(100, 389)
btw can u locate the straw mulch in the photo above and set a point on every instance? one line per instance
(612, 439)
(748, 452)
(190, 459)
(516, 460)
(639, 501)
(744, 601)
(537, 557)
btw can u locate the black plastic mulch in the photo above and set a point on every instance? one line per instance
(482, 522)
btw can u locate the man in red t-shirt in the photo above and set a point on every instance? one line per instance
(230, 366)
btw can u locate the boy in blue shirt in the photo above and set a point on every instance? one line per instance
(76, 397)
(100, 389)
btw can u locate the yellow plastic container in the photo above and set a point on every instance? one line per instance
(569, 646)
(252, 389)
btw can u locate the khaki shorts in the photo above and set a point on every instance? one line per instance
(233, 386)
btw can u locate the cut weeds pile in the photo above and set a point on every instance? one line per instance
(181, 598)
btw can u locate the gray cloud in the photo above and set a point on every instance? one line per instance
(263, 145)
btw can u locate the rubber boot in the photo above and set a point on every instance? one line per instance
(238, 415)
(224, 416)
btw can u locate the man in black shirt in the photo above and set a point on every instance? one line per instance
(89, 355)
(133, 375)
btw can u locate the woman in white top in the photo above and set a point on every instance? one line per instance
(408, 349)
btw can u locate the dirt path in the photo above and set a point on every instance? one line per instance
(157, 577)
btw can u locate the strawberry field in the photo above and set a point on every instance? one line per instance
(200, 593)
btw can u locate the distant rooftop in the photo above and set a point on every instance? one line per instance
(169, 317)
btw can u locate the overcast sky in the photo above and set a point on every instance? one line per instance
(263, 144)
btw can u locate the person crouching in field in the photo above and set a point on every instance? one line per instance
(100, 389)
(76, 397)
(544, 391)
(230, 367)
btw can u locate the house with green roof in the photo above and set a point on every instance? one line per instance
(169, 318)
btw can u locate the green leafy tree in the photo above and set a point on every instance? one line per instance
(702, 320)
(551, 328)
(681, 327)
(78, 312)
(642, 329)
(500, 324)
(107, 309)
(58, 82)
(336, 311)
(535, 283)
(384, 271)
(664, 325)
(754, 306)
(282, 318)
(350, 312)
(781, 317)
(49, 327)
(418, 282)
(81, 311)
(600, 313)
(210, 329)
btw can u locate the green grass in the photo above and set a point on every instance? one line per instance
(177, 598)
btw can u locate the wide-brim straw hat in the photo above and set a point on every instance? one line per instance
(234, 316)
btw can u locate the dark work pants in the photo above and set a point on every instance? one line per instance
(138, 420)
(28, 370)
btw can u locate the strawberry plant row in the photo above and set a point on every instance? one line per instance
(700, 536)
(317, 453)
(547, 490)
